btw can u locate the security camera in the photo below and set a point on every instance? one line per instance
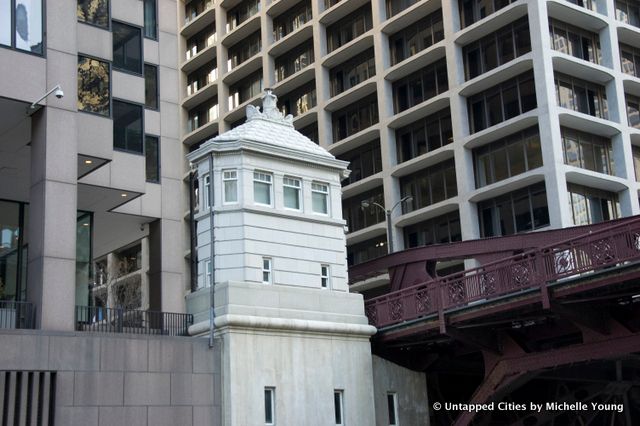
(59, 93)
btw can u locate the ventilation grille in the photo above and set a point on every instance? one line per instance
(27, 398)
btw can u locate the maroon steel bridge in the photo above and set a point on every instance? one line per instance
(548, 316)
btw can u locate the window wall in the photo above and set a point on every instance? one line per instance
(420, 86)
(633, 110)
(636, 161)
(630, 60)
(439, 230)
(507, 157)
(14, 218)
(127, 127)
(355, 117)
(291, 20)
(21, 23)
(203, 114)
(581, 96)
(575, 41)
(416, 37)
(299, 100)
(429, 186)
(94, 86)
(244, 50)
(245, 10)
(518, 211)
(194, 8)
(367, 250)
(503, 102)
(424, 136)
(472, 11)
(294, 60)
(200, 41)
(628, 11)
(587, 151)
(245, 89)
(201, 77)
(498, 48)
(349, 28)
(587, 4)
(590, 205)
(353, 72)
(396, 6)
(364, 161)
(358, 217)
(94, 12)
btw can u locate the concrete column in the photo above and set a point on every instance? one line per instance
(560, 215)
(52, 219)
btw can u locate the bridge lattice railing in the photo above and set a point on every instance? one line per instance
(575, 257)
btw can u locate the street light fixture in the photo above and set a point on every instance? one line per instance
(366, 204)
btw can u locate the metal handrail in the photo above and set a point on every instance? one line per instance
(17, 314)
(133, 321)
(532, 269)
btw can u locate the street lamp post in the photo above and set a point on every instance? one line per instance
(366, 204)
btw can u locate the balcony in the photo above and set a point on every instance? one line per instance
(349, 50)
(491, 23)
(292, 40)
(242, 31)
(17, 315)
(339, 10)
(575, 15)
(196, 95)
(409, 15)
(196, 58)
(413, 63)
(99, 319)
(196, 23)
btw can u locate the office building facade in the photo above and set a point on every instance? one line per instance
(488, 118)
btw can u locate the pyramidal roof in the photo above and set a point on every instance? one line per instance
(271, 127)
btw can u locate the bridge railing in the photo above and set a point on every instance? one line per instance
(574, 257)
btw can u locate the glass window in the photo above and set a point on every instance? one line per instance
(127, 126)
(151, 86)
(262, 188)
(269, 406)
(208, 273)
(429, 186)
(320, 198)
(152, 158)
(581, 96)
(590, 205)
(230, 186)
(324, 276)
(420, 86)
(5, 22)
(127, 47)
(206, 191)
(150, 19)
(518, 211)
(94, 12)
(266, 270)
(291, 192)
(392, 408)
(93, 86)
(441, 229)
(338, 406)
(21, 27)
(416, 37)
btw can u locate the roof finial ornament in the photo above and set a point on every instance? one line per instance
(270, 110)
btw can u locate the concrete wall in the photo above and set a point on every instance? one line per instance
(410, 388)
(121, 380)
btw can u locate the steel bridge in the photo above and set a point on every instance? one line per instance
(548, 316)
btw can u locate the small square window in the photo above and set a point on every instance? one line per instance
(291, 190)
(325, 276)
(269, 406)
(208, 273)
(230, 186)
(338, 405)
(267, 273)
(320, 198)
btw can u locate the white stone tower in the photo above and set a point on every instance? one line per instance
(294, 341)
